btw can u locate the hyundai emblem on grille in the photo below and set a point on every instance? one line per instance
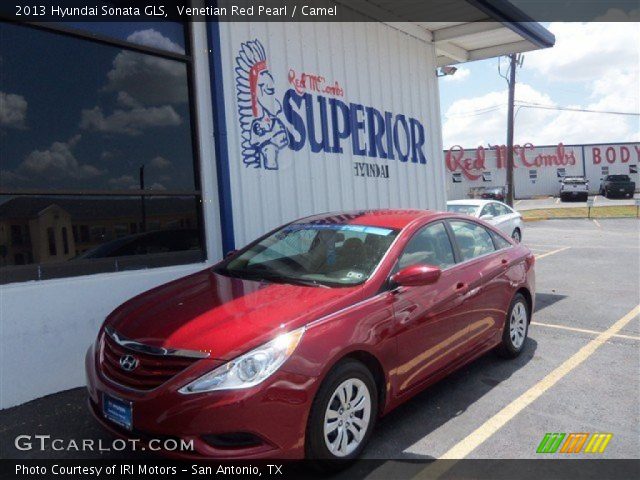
(128, 362)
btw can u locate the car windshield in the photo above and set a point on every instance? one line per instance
(619, 178)
(574, 180)
(313, 254)
(464, 209)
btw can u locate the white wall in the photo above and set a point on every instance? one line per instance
(617, 159)
(377, 66)
(47, 326)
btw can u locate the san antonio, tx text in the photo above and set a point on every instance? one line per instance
(137, 470)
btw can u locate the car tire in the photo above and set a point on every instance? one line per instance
(517, 235)
(516, 328)
(329, 409)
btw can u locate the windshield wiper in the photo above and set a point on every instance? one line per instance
(302, 281)
(266, 274)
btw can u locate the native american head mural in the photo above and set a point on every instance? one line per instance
(263, 132)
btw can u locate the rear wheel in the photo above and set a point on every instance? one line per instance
(342, 416)
(516, 328)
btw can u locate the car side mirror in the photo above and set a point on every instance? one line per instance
(230, 253)
(417, 275)
(487, 216)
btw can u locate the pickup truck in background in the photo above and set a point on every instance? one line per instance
(617, 185)
(574, 188)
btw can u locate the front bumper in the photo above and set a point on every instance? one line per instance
(274, 413)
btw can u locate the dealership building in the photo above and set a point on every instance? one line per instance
(136, 153)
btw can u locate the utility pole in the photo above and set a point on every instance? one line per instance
(143, 206)
(512, 90)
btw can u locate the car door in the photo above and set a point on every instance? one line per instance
(430, 320)
(485, 300)
(506, 218)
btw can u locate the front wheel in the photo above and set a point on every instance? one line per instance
(343, 415)
(516, 328)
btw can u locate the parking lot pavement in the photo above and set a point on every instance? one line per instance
(570, 378)
(555, 202)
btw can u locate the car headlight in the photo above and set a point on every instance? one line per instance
(249, 369)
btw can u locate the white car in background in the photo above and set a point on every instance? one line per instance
(496, 213)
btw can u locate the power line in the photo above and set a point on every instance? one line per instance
(479, 111)
(523, 104)
(571, 109)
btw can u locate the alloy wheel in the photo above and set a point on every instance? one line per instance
(518, 325)
(347, 417)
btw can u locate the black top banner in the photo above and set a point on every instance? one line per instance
(321, 10)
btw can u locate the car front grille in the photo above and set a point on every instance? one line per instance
(154, 365)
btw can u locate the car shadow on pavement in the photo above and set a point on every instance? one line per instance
(544, 300)
(403, 434)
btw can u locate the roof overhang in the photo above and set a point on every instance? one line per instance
(491, 28)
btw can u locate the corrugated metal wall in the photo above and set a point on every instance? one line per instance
(375, 65)
(537, 169)
(601, 160)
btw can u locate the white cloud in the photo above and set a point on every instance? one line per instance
(58, 161)
(129, 122)
(538, 126)
(153, 38)
(462, 73)
(160, 163)
(124, 182)
(601, 58)
(13, 110)
(588, 51)
(148, 79)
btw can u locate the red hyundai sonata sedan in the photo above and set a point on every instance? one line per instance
(293, 346)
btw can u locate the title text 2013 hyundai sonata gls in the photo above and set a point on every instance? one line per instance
(293, 346)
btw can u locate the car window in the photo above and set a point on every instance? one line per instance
(501, 209)
(489, 209)
(473, 240)
(464, 209)
(499, 241)
(429, 246)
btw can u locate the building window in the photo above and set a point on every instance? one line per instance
(51, 241)
(65, 241)
(99, 146)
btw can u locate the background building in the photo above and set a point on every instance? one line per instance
(136, 153)
(538, 169)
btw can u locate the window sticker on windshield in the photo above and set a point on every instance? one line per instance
(338, 228)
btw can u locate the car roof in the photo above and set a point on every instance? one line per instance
(472, 201)
(396, 219)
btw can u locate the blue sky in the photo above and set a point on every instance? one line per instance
(592, 66)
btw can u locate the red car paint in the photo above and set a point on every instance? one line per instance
(411, 337)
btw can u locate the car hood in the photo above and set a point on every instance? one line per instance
(221, 315)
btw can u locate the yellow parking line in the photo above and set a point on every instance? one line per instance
(583, 330)
(558, 200)
(552, 252)
(491, 426)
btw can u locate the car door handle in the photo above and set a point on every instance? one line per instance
(462, 288)
(504, 262)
